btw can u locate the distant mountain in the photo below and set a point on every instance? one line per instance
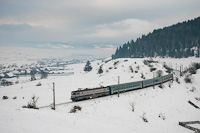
(179, 40)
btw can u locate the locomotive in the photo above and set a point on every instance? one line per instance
(114, 89)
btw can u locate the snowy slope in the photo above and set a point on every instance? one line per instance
(162, 107)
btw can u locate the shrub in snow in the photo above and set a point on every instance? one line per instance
(159, 73)
(160, 86)
(146, 62)
(110, 68)
(6, 83)
(144, 117)
(14, 98)
(162, 116)
(39, 84)
(75, 109)
(193, 89)
(5, 97)
(116, 62)
(193, 70)
(142, 76)
(198, 99)
(138, 67)
(131, 69)
(177, 80)
(169, 85)
(132, 104)
(152, 69)
(32, 103)
(188, 79)
(169, 70)
(100, 71)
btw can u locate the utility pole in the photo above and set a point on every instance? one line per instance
(118, 86)
(54, 102)
(153, 81)
(198, 51)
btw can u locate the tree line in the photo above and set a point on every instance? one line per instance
(177, 41)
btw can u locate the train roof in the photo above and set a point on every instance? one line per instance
(141, 80)
(86, 89)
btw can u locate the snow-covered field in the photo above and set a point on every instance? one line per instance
(162, 107)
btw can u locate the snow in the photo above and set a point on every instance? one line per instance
(162, 107)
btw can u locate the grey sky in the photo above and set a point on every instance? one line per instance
(72, 24)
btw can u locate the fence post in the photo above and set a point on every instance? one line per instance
(118, 86)
(153, 81)
(54, 102)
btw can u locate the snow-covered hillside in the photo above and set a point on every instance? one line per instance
(163, 107)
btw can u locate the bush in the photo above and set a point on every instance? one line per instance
(39, 84)
(193, 89)
(177, 80)
(75, 109)
(188, 79)
(110, 68)
(144, 117)
(160, 86)
(169, 85)
(169, 70)
(138, 67)
(132, 104)
(131, 69)
(142, 76)
(17, 82)
(192, 70)
(100, 71)
(152, 69)
(5, 97)
(32, 103)
(162, 116)
(116, 62)
(159, 73)
(6, 83)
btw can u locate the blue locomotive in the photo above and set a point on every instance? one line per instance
(113, 89)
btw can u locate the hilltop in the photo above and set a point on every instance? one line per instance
(162, 107)
(179, 40)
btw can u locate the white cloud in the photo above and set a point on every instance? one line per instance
(104, 46)
(125, 28)
(54, 46)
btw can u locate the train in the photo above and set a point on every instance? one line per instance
(114, 89)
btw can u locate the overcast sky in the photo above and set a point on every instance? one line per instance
(87, 24)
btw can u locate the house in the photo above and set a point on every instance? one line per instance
(9, 75)
(1, 75)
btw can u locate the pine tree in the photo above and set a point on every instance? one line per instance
(87, 67)
(100, 71)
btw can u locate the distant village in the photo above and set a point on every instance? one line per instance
(43, 68)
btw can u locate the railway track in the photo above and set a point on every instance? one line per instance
(56, 105)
